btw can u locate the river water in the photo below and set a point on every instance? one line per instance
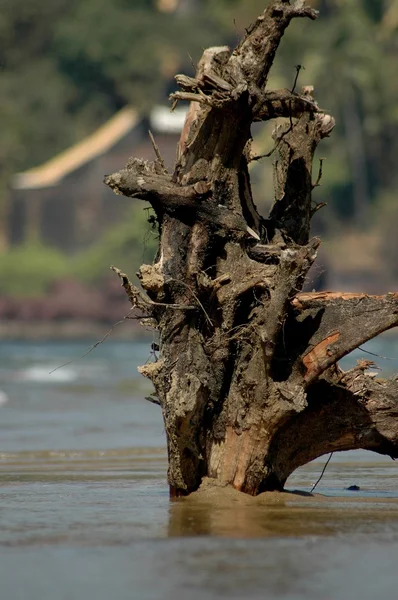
(85, 513)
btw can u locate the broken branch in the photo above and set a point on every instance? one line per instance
(256, 52)
(140, 180)
(159, 159)
(318, 179)
(283, 103)
(333, 324)
(140, 301)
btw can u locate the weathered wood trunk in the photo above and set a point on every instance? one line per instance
(247, 373)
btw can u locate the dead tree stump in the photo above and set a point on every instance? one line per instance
(247, 376)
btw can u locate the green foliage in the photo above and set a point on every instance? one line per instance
(29, 270)
(126, 51)
(125, 245)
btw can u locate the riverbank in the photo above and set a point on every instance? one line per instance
(71, 329)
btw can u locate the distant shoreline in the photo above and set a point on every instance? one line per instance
(83, 329)
(74, 329)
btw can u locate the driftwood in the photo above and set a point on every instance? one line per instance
(247, 374)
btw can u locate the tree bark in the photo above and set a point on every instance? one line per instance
(247, 373)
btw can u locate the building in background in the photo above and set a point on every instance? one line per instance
(64, 203)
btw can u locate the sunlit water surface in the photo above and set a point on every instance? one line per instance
(85, 513)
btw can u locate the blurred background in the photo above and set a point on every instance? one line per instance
(83, 491)
(82, 81)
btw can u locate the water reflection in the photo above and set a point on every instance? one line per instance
(223, 513)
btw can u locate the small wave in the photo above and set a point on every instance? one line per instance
(42, 374)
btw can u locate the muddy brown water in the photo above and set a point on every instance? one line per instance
(85, 513)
